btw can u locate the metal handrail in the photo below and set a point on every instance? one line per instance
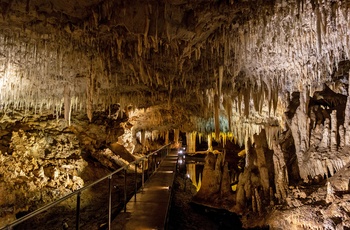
(78, 192)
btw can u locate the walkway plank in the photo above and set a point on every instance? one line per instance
(151, 207)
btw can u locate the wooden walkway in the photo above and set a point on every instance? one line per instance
(150, 209)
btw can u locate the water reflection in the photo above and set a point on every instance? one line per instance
(191, 166)
(195, 170)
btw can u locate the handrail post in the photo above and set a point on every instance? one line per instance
(125, 189)
(135, 181)
(77, 220)
(110, 203)
(143, 175)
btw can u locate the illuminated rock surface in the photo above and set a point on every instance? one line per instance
(103, 82)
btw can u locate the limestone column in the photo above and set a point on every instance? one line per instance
(260, 144)
(299, 126)
(281, 174)
(191, 142)
(325, 142)
(347, 117)
(334, 131)
(167, 137)
(210, 143)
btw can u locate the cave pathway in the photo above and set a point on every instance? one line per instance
(150, 208)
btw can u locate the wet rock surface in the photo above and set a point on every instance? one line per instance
(42, 160)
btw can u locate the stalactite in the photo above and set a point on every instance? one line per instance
(200, 135)
(318, 28)
(221, 75)
(239, 102)
(258, 201)
(272, 203)
(255, 97)
(67, 104)
(254, 209)
(216, 117)
(275, 95)
(246, 100)
(228, 108)
(90, 95)
(210, 146)
(176, 137)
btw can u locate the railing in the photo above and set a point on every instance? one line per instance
(152, 163)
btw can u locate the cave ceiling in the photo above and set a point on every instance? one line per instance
(243, 57)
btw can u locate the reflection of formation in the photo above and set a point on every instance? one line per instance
(192, 172)
(192, 167)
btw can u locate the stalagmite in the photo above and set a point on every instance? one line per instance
(330, 193)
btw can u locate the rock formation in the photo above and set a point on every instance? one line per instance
(80, 79)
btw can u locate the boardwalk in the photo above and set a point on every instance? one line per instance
(151, 207)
